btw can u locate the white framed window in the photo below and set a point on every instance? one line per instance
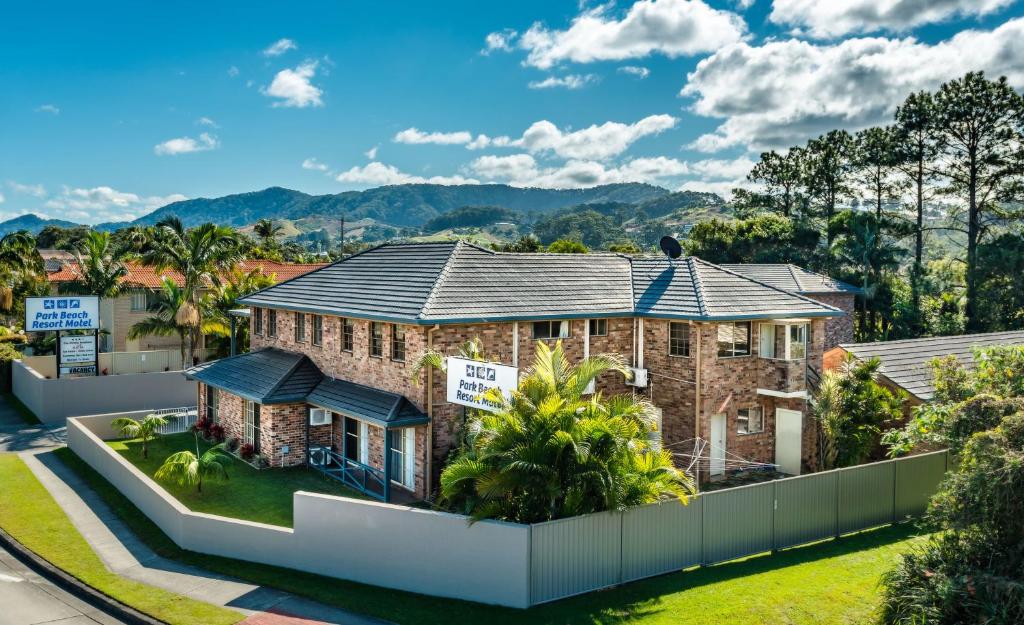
(300, 327)
(550, 329)
(271, 323)
(598, 327)
(318, 330)
(749, 420)
(403, 457)
(397, 342)
(251, 425)
(783, 341)
(140, 303)
(257, 321)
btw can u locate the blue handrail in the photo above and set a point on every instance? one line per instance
(362, 477)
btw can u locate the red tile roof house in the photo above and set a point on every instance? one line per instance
(723, 357)
(117, 316)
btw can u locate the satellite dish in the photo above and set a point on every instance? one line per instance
(671, 247)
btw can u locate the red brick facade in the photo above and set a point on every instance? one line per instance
(838, 330)
(727, 385)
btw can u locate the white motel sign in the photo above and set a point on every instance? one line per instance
(470, 382)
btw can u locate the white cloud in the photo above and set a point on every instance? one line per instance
(2, 198)
(206, 121)
(670, 27)
(35, 190)
(378, 174)
(500, 40)
(279, 47)
(835, 19)
(100, 204)
(48, 108)
(522, 170)
(372, 153)
(743, 5)
(570, 81)
(232, 71)
(596, 142)
(793, 90)
(186, 145)
(414, 136)
(312, 163)
(635, 70)
(295, 88)
(722, 169)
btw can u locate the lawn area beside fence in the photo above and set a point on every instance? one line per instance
(30, 515)
(832, 582)
(260, 495)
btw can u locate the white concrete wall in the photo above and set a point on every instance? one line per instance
(55, 400)
(374, 543)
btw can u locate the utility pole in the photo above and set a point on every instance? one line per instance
(341, 235)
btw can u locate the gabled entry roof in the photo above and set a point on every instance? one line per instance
(275, 376)
(456, 282)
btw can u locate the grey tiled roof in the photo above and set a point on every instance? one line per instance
(364, 402)
(792, 278)
(459, 282)
(905, 363)
(268, 376)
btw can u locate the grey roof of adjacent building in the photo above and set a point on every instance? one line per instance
(792, 278)
(905, 363)
(457, 282)
(275, 376)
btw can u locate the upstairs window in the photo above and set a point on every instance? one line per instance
(318, 330)
(397, 342)
(300, 328)
(678, 339)
(257, 321)
(734, 339)
(749, 420)
(272, 323)
(376, 339)
(550, 329)
(598, 327)
(348, 332)
(783, 341)
(140, 303)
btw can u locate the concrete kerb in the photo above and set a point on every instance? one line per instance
(73, 585)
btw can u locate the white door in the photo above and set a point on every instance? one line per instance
(718, 444)
(788, 435)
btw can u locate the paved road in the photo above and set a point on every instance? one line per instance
(27, 599)
(18, 436)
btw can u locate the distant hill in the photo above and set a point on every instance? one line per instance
(399, 205)
(32, 223)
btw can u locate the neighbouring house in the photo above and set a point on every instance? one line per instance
(142, 282)
(816, 286)
(724, 358)
(905, 364)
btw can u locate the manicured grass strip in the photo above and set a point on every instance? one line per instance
(23, 411)
(264, 496)
(834, 582)
(33, 518)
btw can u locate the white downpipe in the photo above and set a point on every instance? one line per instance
(515, 343)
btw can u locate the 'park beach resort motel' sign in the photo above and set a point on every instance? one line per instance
(470, 380)
(49, 314)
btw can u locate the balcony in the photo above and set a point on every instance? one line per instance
(781, 378)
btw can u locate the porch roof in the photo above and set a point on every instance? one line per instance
(267, 376)
(365, 403)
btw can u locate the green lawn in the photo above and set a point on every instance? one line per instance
(248, 493)
(33, 518)
(834, 582)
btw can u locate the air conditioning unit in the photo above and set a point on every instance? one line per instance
(319, 456)
(639, 378)
(319, 416)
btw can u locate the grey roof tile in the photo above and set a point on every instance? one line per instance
(905, 362)
(792, 278)
(266, 376)
(364, 402)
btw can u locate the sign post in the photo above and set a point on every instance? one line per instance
(76, 354)
(470, 381)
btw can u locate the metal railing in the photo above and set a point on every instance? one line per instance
(362, 477)
(178, 419)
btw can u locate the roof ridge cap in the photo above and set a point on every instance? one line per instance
(796, 278)
(292, 370)
(698, 283)
(441, 278)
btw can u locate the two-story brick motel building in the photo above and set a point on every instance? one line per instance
(724, 353)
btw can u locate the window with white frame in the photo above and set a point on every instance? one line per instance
(397, 342)
(257, 321)
(550, 329)
(376, 339)
(357, 446)
(734, 339)
(348, 331)
(251, 425)
(140, 303)
(783, 341)
(749, 420)
(300, 327)
(598, 327)
(403, 457)
(272, 323)
(318, 330)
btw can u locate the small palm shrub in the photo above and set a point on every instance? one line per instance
(147, 429)
(190, 469)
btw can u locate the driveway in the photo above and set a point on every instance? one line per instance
(18, 436)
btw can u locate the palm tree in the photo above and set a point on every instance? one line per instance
(147, 429)
(552, 452)
(238, 284)
(164, 321)
(99, 266)
(19, 260)
(200, 255)
(267, 231)
(470, 350)
(188, 469)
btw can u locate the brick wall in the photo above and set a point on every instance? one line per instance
(837, 329)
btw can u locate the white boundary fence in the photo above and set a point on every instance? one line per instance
(522, 565)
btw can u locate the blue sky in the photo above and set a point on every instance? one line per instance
(110, 111)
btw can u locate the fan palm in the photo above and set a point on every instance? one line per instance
(190, 469)
(267, 231)
(147, 429)
(552, 451)
(200, 255)
(99, 266)
(164, 321)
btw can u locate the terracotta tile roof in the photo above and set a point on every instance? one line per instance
(143, 276)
